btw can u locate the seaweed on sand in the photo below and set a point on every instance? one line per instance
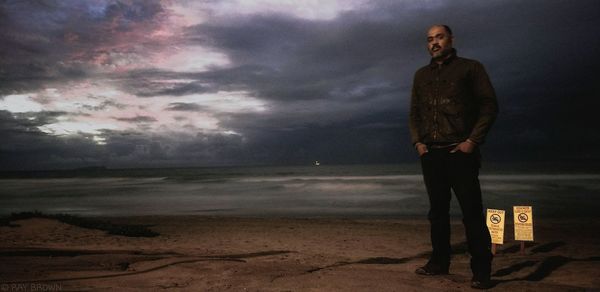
(84, 222)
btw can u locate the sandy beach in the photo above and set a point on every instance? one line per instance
(201, 253)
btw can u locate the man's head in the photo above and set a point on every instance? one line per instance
(439, 41)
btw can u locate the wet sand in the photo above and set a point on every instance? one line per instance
(199, 253)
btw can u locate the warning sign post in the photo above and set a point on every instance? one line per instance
(523, 216)
(495, 224)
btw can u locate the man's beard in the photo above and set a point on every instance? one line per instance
(441, 54)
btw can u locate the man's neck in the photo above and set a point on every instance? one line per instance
(443, 58)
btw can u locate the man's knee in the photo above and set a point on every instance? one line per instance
(438, 215)
(473, 218)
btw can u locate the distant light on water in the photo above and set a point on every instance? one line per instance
(294, 191)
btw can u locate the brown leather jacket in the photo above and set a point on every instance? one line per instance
(452, 102)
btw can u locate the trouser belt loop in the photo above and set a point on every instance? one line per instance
(441, 146)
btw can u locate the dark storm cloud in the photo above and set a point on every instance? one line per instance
(173, 90)
(155, 82)
(139, 149)
(359, 66)
(24, 146)
(326, 81)
(337, 90)
(306, 60)
(9, 123)
(107, 104)
(137, 119)
(271, 140)
(35, 119)
(54, 41)
(185, 107)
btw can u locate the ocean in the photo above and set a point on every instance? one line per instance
(354, 191)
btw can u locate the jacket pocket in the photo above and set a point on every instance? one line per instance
(454, 114)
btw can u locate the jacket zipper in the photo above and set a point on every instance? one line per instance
(435, 102)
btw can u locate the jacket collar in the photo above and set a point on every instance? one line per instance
(451, 57)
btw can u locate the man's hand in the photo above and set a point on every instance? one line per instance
(465, 147)
(421, 148)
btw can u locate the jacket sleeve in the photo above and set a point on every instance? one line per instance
(487, 104)
(414, 120)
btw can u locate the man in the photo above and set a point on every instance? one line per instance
(453, 106)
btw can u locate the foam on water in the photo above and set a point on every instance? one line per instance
(359, 192)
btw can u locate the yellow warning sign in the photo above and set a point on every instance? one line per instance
(495, 224)
(523, 223)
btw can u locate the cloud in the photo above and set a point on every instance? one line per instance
(247, 82)
(26, 147)
(172, 89)
(137, 119)
(104, 105)
(185, 107)
(326, 73)
(19, 104)
(52, 41)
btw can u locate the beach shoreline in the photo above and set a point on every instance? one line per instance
(216, 253)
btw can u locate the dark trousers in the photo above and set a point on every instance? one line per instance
(444, 171)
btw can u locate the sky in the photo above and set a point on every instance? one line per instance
(278, 82)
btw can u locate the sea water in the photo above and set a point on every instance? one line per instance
(357, 191)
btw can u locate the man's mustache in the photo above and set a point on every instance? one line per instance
(435, 47)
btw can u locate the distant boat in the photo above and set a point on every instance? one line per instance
(317, 163)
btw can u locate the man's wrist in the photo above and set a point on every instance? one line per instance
(471, 142)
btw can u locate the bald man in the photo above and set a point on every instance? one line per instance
(453, 105)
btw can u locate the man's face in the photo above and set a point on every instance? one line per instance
(439, 43)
